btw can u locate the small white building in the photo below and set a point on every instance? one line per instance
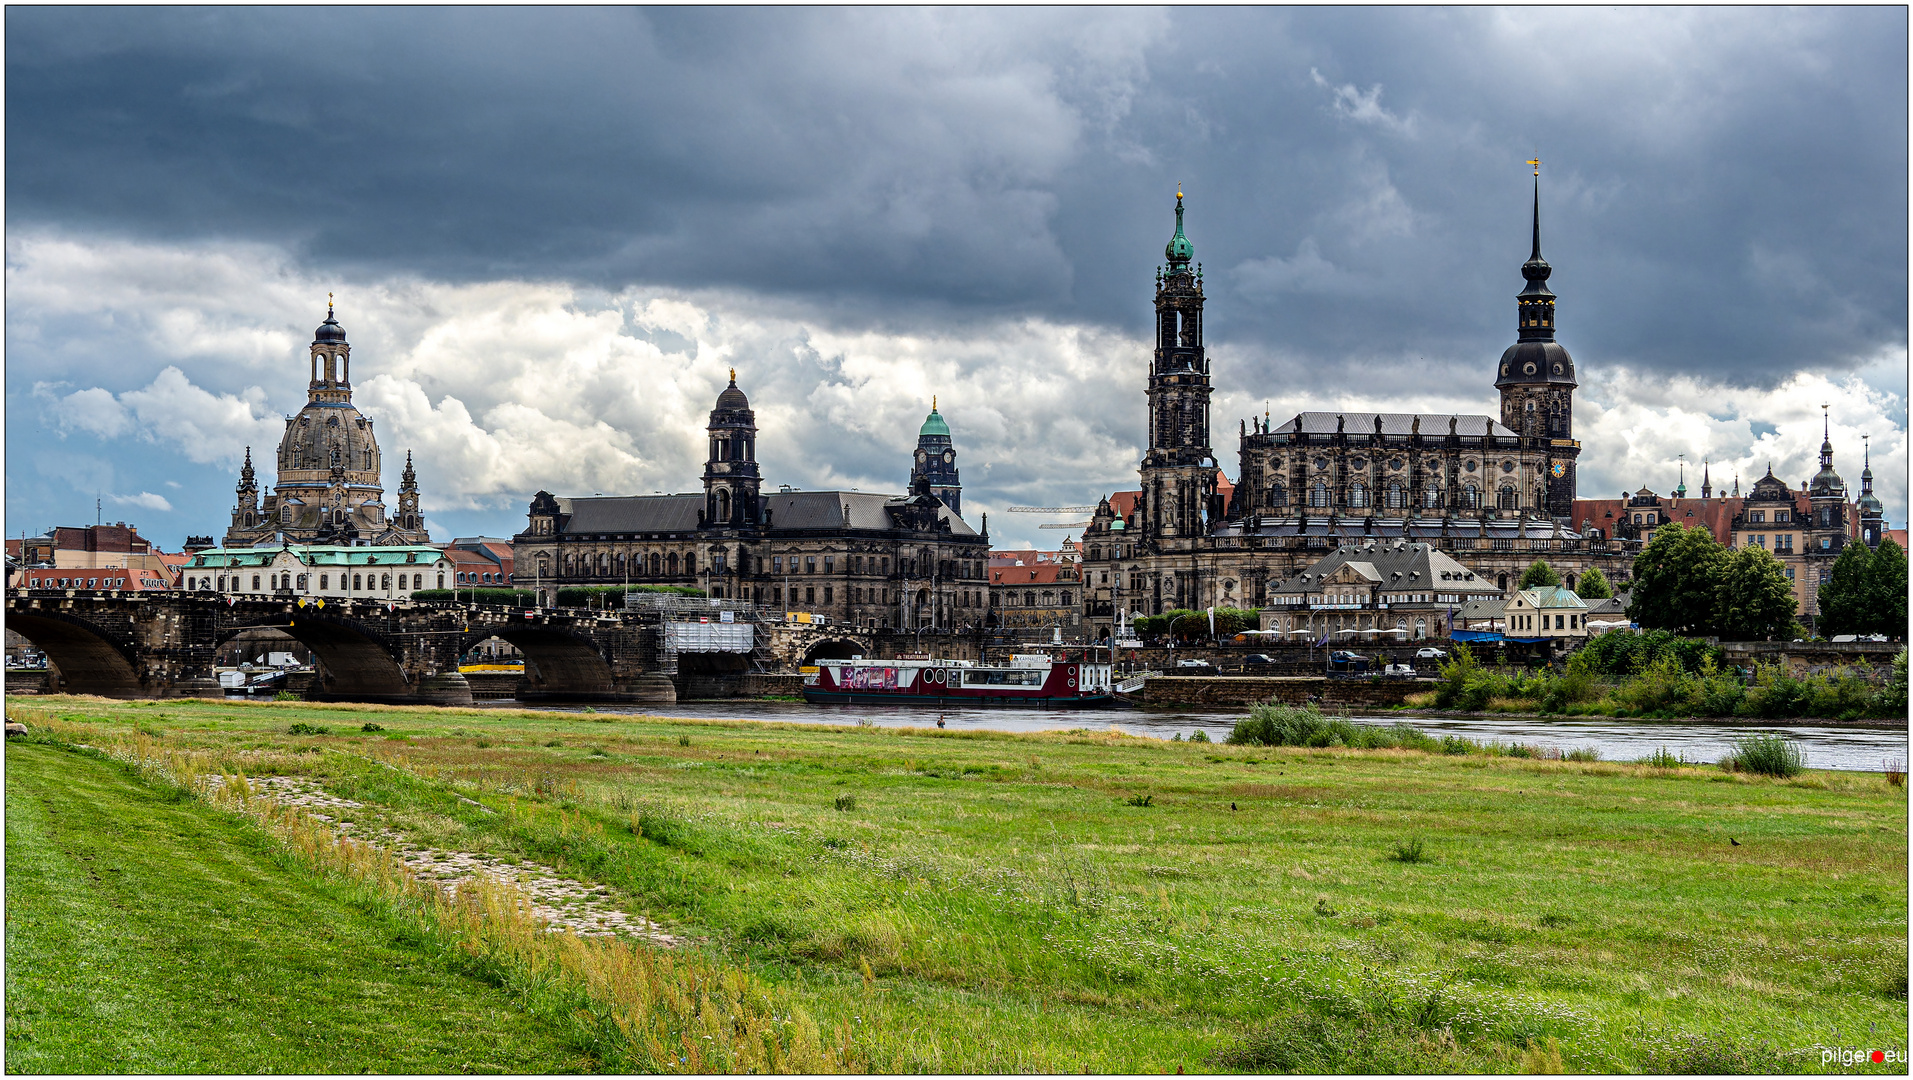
(374, 573)
(1544, 613)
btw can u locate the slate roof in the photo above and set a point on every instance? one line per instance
(631, 513)
(1394, 565)
(1472, 425)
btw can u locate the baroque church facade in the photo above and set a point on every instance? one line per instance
(849, 557)
(329, 488)
(1496, 491)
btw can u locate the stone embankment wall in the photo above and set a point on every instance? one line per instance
(1808, 657)
(1255, 690)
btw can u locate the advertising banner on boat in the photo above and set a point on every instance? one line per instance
(870, 678)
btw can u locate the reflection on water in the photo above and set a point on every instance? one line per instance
(1864, 749)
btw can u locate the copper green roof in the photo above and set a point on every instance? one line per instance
(1179, 250)
(934, 425)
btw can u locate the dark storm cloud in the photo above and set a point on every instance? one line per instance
(1724, 195)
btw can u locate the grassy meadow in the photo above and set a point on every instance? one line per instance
(864, 898)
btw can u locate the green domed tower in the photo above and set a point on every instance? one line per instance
(936, 461)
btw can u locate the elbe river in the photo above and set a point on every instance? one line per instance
(1826, 747)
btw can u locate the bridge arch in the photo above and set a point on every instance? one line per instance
(835, 648)
(356, 661)
(89, 661)
(558, 662)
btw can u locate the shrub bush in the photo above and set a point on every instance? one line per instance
(371, 727)
(1409, 851)
(845, 802)
(1767, 755)
(1304, 725)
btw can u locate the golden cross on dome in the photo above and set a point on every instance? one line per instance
(1536, 162)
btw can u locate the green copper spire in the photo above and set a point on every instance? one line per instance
(1179, 250)
(933, 424)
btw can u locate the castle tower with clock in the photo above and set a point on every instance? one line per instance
(935, 461)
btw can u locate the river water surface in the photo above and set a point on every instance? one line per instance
(1826, 747)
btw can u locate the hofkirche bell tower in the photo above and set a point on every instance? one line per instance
(1536, 380)
(1178, 472)
(329, 488)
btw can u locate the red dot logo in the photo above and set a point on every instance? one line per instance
(1879, 1056)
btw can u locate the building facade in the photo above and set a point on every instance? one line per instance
(328, 486)
(1495, 492)
(1409, 590)
(319, 571)
(1035, 590)
(858, 558)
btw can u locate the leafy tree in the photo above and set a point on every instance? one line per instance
(1232, 621)
(1539, 575)
(1843, 599)
(1753, 600)
(1885, 592)
(1593, 585)
(1676, 579)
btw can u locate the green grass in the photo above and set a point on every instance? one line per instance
(149, 933)
(980, 901)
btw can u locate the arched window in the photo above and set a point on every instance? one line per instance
(1278, 495)
(1431, 497)
(255, 583)
(1506, 498)
(656, 565)
(1397, 500)
(441, 581)
(723, 505)
(1318, 495)
(385, 582)
(1029, 599)
(1501, 582)
(690, 563)
(418, 581)
(1358, 494)
(323, 581)
(621, 565)
(671, 564)
(358, 582)
(1470, 497)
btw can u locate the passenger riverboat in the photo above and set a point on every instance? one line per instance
(1028, 680)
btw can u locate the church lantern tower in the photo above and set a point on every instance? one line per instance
(409, 517)
(731, 478)
(1872, 511)
(245, 514)
(1536, 379)
(935, 461)
(1827, 495)
(1178, 471)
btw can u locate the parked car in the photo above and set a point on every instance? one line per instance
(1196, 664)
(1430, 654)
(1342, 657)
(1255, 659)
(1405, 670)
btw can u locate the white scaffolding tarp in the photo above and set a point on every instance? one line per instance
(711, 636)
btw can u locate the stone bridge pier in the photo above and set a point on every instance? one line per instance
(163, 645)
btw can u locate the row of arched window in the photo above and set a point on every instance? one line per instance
(608, 564)
(1398, 497)
(1009, 599)
(348, 583)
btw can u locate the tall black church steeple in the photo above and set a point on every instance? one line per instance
(1178, 472)
(1536, 380)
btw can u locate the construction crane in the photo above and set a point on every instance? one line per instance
(1064, 525)
(1052, 509)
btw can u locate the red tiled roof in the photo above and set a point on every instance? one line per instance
(1032, 574)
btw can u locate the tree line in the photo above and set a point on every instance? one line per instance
(1687, 582)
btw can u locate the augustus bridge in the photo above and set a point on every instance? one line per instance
(158, 645)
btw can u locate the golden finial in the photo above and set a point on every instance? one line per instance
(1178, 189)
(733, 374)
(1536, 162)
(328, 303)
(933, 403)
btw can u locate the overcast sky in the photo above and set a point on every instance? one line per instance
(552, 231)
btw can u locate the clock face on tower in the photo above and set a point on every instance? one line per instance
(1559, 469)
